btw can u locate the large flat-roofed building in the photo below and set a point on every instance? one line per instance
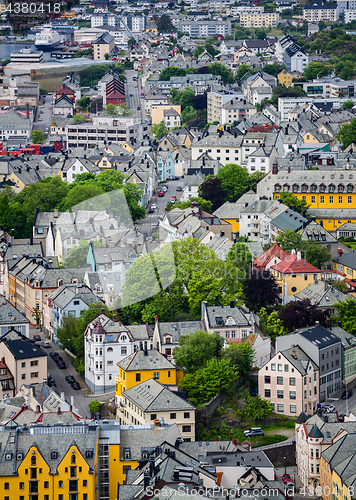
(205, 28)
(27, 55)
(50, 73)
(260, 20)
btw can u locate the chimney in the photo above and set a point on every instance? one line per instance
(27, 111)
(31, 240)
(56, 213)
(145, 352)
(294, 354)
(115, 318)
(299, 256)
(232, 304)
(102, 311)
(275, 168)
(317, 323)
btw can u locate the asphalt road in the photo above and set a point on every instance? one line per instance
(46, 115)
(343, 405)
(133, 92)
(161, 203)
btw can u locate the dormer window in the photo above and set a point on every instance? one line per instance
(322, 188)
(350, 188)
(295, 188)
(313, 188)
(127, 454)
(277, 188)
(168, 339)
(340, 188)
(331, 188)
(304, 188)
(60, 282)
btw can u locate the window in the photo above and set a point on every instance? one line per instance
(23, 365)
(22, 486)
(172, 416)
(186, 414)
(293, 408)
(34, 375)
(292, 395)
(33, 460)
(85, 483)
(6, 486)
(138, 377)
(273, 367)
(153, 416)
(321, 199)
(280, 407)
(267, 393)
(340, 199)
(156, 375)
(60, 484)
(291, 380)
(280, 394)
(187, 428)
(349, 199)
(34, 363)
(286, 368)
(279, 367)
(267, 379)
(46, 484)
(331, 199)
(280, 380)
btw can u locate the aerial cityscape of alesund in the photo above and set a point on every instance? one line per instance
(178, 250)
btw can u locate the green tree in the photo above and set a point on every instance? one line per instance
(253, 180)
(316, 254)
(131, 42)
(83, 102)
(186, 98)
(261, 290)
(204, 204)
(220, 69)
(159, 130)
(207, 382)
(289, 240)
(261, 35)
(233, 181)
(321, 25)
(80, 193)
(196, 349)
(78, 119)
(293, 201)
(77, 256)
(107, 56)
(240, 356)
(274, 69)
(241, 71)
(199, 50)
(211, 50)
(346, 313)
(210, 189)
(241, 257)
(164, 24)
(257, 408)
(347, 133)
(340, 285)
(38, 137)
(315, 70)
(111, 110)
(166, 73)
(348, 104)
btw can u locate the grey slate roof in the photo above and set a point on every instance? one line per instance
(9, 314)
(154, 360)
(348, 260)
(216, 314)
(315, 232)
(23, 349)
(322, 294)
(299, 359)
(151, 396)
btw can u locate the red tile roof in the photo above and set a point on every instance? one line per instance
(263, 260)
(292, 265)
(64, 90)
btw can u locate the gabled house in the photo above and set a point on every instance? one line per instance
(63, 106)
(270, 257)
(73, 166)
(293, 274)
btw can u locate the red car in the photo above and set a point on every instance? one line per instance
(160, 194)
(287, 479)
(37, 338)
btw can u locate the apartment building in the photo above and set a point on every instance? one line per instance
(15, 127)
(346, 5)
(290, 53)
(324, 348)
(290, 382)
(316, 12)
(26, 362)
(237, 10)
(103, 45)
(230, 322)
(259, 20)
(236, 110)
(225, 148)
(105, 129)
(151, 401)
(215, 103)
(204, 29)
(349, 15)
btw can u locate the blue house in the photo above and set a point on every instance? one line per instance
(165, 165)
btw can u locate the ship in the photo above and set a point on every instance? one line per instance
(47, 39)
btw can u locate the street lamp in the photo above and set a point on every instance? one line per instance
(285, 465)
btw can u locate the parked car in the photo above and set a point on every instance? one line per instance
(50, 381)
(346, 394)
(253, 432)
(151, 211)
(328, 408)
(53, 354)
(164, 189)
(37, 338)
(154, 206)
(75, 385)
(61, 364)
(45, 344)
(161, 194)
(287, 479)
(179, 188)
(58, 358)
(70, 379)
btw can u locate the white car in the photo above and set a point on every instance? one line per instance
(154, 206)
(328, 408)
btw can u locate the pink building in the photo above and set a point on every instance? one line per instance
(290, 381)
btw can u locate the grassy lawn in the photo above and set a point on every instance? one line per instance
(230, 421)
